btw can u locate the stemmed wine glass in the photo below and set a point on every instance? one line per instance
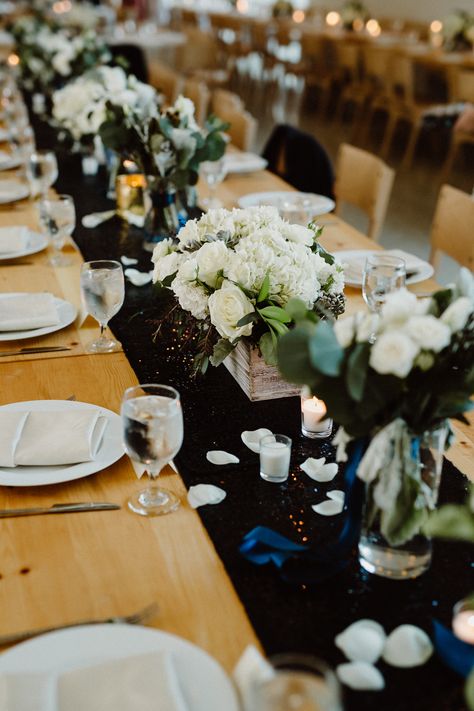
(42, 172)
(58, 219)
(383, 274)
(214, 172)
(103, 292)
(152, 422)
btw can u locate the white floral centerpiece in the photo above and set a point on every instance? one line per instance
(393, 398)
(80, 108)
(237, 274)
(458, 31)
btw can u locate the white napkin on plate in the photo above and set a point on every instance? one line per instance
(22, 312)
(13, 239)
(50, 438)
(27, 692)
(4, 157)
(143, 682)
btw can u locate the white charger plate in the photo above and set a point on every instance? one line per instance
(204, 684)
(317, 204)
(110, 449)
(12, 190)
(36, 243)
(425, 270)
(67, 313)
(244, 163)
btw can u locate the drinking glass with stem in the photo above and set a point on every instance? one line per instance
(58, 219)
(103, 292)
(152, 422)
(214, 173)
(383, 274)
(41, 172)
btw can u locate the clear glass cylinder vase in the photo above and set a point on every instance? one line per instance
(161, 221)
(409, 558)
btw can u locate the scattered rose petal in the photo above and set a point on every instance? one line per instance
(407, 646)
(336, 495)
(328, 507)
(360, 676)
(318, 470)
(128, 261)
(138, 278)
(218, 456)
(363, 641)
(251, 438)
(203, 494)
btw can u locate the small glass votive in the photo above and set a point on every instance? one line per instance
(130, 193)
(463, 620)
(314, 424)
(296, 681)
(275, 453)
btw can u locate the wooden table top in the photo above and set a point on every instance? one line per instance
(60, 569)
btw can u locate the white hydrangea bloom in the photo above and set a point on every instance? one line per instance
(191, 298)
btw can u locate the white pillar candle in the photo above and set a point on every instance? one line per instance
(275, 458)
(463, 625)
(314, 411)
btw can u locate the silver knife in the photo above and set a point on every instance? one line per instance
(39, 349)
(60, 508)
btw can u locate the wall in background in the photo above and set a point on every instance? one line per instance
(424, 10)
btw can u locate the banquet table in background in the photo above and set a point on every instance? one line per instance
(59, 569)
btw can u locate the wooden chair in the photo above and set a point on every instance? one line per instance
(365, 181)
(223, 99)
(200, 95)
(243, 127)
(461, 89)
(166, 81)
(376, 92)
(318, 67)
(451, 230)
(349, 69)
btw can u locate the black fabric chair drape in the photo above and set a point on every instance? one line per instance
(298, 158)
(134, 57)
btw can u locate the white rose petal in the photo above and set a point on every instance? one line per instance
(407, 646)
(363, 641)
(360, 676)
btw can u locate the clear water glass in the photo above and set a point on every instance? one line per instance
(152, 421)
(41, 172)
(383, 274)
(58, 220)
(103, 292)
(297, 682)
(214, 173)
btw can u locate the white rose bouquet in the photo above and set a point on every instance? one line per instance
(80, 108)
(240, 274)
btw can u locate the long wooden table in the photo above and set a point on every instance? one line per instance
(59, 569)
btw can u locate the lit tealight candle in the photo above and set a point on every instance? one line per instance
(333, 19)
(314, 424)
(463, 620)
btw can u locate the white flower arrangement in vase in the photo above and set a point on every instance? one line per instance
(237, 273)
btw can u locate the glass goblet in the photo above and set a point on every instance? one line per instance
(152, 422)
(103, 292)
(42, 172)
(383, 274)
(214, 173)
(58, 219)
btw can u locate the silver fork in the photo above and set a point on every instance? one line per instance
(135, 618)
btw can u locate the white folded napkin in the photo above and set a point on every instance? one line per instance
(50, 438)
(13, 239)
(243, 162)
(22, 312)
(143, 682)
(27, 692)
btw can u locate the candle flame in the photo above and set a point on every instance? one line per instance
(333, 18)
(298, 16)
(436, 26)
(13, 60)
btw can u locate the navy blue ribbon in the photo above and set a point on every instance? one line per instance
(456, 654)
(304, 564)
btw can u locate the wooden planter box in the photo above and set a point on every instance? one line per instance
(258, 380)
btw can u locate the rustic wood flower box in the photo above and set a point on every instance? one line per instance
(258, 380)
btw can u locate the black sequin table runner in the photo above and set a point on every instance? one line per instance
(285, 618)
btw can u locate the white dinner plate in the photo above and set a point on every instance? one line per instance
(204, 684)
(110, 449)
(67, 312)
(4, 135)
(36, 243)
(10, 162)
(424, 270)
(12, 190)
(285, 199)
(244, 163)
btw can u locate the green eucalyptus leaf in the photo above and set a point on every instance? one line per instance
(325, 352)
(357, 368)
(276, 313)
(248, 318)
(294, 360)
(451, 522)
(264, 289)
(267, 345)
(296, 310)
(221, 350)
(277, 326)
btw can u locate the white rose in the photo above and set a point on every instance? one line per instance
(189, 233)
(191, 298)
(428, 332)
(183, 140)
(393, 353)
(211, 259)
(466, 281)
(399, 306)
(188, 270)
(226, 307)
(298, 234)
(457, 314)
(166, 266)
(344, 328)
(185, 108)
